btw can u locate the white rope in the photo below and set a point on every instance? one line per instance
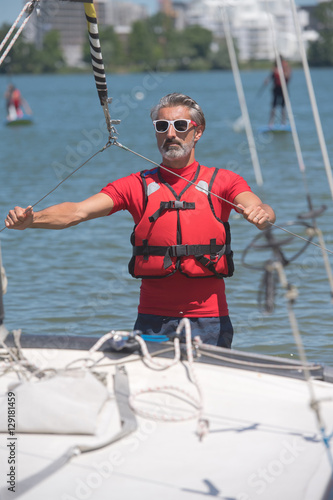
(28, 5)
(312, 98)
(172, 390)
(100, 342)
(314, 402)
(4, 281)
(177, 392)
(241, 97)
(297, 145)
(156, 363)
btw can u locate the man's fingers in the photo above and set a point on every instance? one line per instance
(17, 216)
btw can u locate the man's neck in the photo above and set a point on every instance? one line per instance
(178, 163)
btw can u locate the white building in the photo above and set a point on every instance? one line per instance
(253, 24)
(121, 15)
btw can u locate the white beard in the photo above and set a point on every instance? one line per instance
(180, 151)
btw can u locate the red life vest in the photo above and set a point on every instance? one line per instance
(276, 78)
(180, 232)
(16, 98)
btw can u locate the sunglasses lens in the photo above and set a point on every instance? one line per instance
(181, 125)
(161, 125)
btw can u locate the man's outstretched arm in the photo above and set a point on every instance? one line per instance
(60, 216)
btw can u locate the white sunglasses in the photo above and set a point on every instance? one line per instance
(180, 125)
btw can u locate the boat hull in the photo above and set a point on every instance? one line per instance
(262, 439)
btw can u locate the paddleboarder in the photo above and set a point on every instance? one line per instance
(16, 105)
(277, 91)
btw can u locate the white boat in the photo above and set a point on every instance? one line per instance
(124, 417)
(89, 418)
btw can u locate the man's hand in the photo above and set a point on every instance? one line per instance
(256, 214)
(19, 218)
(254, 210)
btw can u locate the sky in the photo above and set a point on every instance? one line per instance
(11, 8)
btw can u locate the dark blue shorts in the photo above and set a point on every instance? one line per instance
(215, 331)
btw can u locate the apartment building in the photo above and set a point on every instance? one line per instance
(253, 24)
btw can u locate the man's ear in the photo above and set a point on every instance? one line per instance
(198, 133)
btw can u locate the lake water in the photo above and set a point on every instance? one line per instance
(76, 281)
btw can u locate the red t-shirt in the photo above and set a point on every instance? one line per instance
(178, 295)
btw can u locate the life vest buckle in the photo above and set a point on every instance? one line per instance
(179, 250)
(176, 204)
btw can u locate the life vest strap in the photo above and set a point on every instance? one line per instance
(171, 205)
(214, 250)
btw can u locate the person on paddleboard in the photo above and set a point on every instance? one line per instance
(16, 105)
(181, 243)
(277, 91)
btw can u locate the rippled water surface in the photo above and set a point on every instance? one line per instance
(76, 280)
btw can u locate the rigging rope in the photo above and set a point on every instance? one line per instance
(299, 150)
(197, 403)
(125, 148)
(100, 79)
(98, 67)
(28, 8)
(107, 145)
(312, 98)
(241, 97)
(314, 402)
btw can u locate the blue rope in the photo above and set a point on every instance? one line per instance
(154, 338)
(326, 440)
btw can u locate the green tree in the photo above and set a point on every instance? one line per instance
(143, 46)
(320, 52)
(156, 43)
(167, 39)
(199, 39)
(219, 56)
(192, 48)
(50, 58)
(26, 58)
(22, 56)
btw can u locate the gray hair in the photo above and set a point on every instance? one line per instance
(176, 99)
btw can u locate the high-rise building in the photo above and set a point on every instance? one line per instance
(252, 24)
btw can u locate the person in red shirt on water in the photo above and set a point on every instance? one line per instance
(277, 90)
(15, 103)
(181, 238)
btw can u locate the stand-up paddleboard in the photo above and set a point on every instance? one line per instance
(22, 120)
(275, 128)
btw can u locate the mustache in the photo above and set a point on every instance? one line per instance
(167, 142)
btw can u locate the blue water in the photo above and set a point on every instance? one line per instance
(76, 281)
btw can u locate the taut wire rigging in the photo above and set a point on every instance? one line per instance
(28, 9)
(312, 98)
(312, 213)
(241, 97)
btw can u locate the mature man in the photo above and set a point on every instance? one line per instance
(181, 238)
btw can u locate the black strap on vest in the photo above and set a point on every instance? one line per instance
(171, 205)
(199, 251)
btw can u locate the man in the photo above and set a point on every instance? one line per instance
(181, 238)
(15, 103)
(277, 91)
